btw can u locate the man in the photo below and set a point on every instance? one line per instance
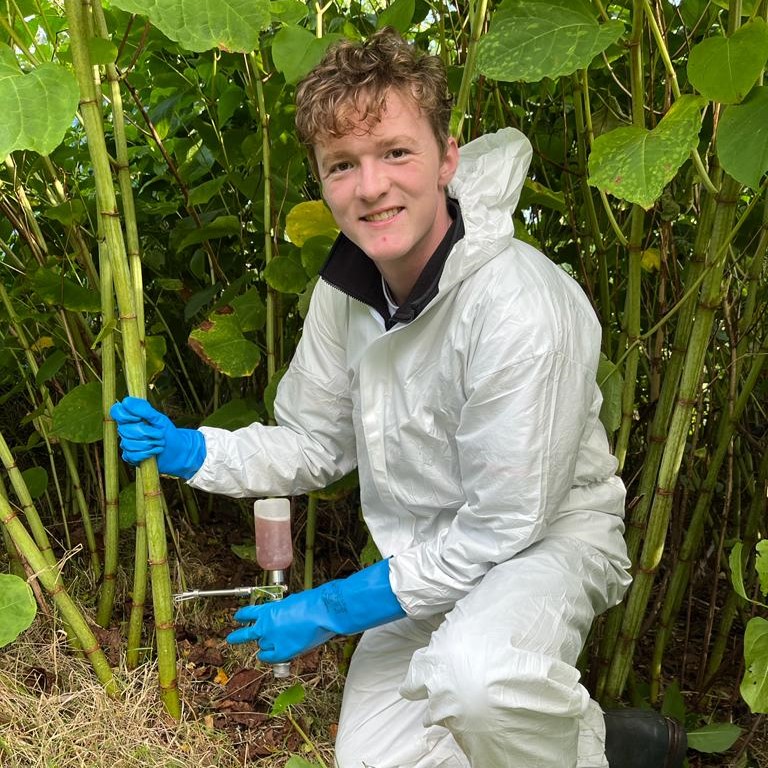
(456, 368)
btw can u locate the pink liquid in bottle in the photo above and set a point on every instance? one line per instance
(274, 547)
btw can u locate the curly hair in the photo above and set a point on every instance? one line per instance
(351, 83)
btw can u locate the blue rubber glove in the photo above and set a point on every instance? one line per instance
(146, 432)
(287, 628)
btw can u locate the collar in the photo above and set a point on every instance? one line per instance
(355, 274)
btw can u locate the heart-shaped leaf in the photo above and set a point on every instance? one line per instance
(724, 69)
(38, 106)
(742, 138)
(635, 164)
(754, 685)
(17, 607)
(200, 25)
(296, 50)
(529, 40)
(219, 341)
(309, 219)
(78, 415)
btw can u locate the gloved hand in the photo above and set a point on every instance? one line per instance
(287, 628)
(146, 432)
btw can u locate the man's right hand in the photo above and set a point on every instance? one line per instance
(146, 432)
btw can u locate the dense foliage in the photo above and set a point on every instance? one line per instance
(161, 234)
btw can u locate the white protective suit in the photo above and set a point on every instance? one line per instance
(485, 475)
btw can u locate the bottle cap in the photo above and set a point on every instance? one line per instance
(272, 509)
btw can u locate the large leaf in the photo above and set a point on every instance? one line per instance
(636, 164)
(397, 14)
(716, 737)
(725, 68)
(754, 685)
(56, 290)
(310, 219)
(742, 138)
(78, 416)
(532, 39)
(611, 385)
(38, 107)
(285, 272)
(220, 342)
(235, 414)
(296, 50)
(200, 25)
(17, 607)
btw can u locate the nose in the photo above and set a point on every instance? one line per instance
(372, 181)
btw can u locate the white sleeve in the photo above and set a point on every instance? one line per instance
(313, 443)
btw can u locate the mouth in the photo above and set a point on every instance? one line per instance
(390, 213)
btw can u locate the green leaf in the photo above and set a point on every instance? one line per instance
(314, 253)
(17, 607)
(36, 480)
(754, 685)
(529, 40)
(737, 572)
(635, 164)
(67, 213)
(270, 391)
(398, 15)
(126, 509)
(310, 219)
(101, 51)
(761, 564)
(156, 347)
(742, 139)
(674, 703)
(296, 50)
(285, 273)
(339, 489)
(202, 193)
(717, 737)
(50, 366)
(250, 310)
(724, 69)
(244, 551)
(287, 698)
(38, 107)
(78, 415)
(219, 341)
(56, 290)
(296, 761)
(534, 193)
(235, 414)
(611, 385)
(222, 226)
(200, 25)
(289, 11)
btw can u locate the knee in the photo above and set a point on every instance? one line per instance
(484, 690)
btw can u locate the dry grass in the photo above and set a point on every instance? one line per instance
(54, 714)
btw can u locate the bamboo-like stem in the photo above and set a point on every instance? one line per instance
(16, 566)
(309, 540)
(49, 576)
(632, 303)
(66, 448)
(26, 503)
(76, 14)
(476, 22)
(661, 508)
(695, 529)
(755, 519)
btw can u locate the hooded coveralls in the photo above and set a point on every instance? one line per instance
(485, 476)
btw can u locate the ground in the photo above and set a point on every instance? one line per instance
(54, 715)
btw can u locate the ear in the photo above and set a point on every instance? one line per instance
(449, 163)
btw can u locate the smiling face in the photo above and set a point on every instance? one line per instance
(385, 183)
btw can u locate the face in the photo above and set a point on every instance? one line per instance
(385, 185)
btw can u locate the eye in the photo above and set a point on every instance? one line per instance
(398, 153)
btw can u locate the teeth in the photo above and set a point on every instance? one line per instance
(383, 216)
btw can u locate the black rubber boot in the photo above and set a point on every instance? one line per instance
(642, 738)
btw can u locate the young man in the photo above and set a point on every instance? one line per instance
(455, 366)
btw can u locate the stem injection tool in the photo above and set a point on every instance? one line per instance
(274, 551)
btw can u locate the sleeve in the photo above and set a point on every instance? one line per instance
(531, 398)
(313, 443)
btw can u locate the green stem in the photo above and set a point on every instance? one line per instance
(476, 21)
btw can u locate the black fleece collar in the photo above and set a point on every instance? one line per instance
(352, 272)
